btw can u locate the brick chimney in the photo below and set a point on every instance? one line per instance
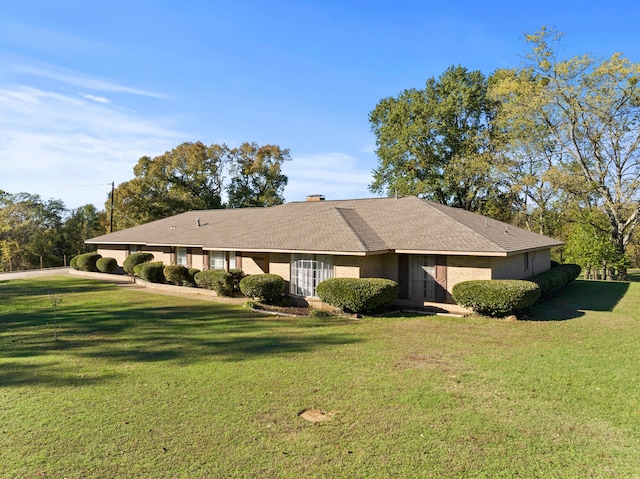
(315, 198)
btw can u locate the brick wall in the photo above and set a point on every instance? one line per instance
(513, 267)
(466, 268)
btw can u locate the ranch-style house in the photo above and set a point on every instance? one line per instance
(424, 246)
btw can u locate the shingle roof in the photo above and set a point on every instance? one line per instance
(357, 227)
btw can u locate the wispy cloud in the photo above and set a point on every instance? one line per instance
(335, 175)
(51, 143)
(97, 99)
(80, 80)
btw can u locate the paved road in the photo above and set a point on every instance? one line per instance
(33, 272)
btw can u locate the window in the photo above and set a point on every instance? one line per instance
(422, 277)
(526, 261)
(308, 271)
(232, 260)
(217, 260)
(181, 256)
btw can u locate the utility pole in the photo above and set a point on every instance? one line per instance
(111, 215)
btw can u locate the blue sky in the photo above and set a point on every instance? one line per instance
(88, 87)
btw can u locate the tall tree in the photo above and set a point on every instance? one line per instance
(439, 143)
(29, 230)
(189, 177)
(82, 223)
(590, 109)
(256, 175)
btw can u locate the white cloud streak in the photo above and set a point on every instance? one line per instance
(54, 145)
(97, 99)
(80, 80)
(334, 175)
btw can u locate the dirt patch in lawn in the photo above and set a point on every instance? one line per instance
(316, 415)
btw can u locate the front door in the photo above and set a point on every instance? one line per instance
(422, 278)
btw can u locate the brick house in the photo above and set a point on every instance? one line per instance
(425, 247)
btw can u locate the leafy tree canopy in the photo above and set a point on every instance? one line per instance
(29, 230)
(192, 177)
(583, 118)
(257, 178)
(438, 142)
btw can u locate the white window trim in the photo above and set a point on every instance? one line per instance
(308, 271)
(181, 256)
(217, 260)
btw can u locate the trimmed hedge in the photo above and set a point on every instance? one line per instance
(192, 275)
(266, 287)
(74, 263)
(107, 265)
(358, 295)
(152, 272)
(177, 274)
(237, 275)
(133, 259)
(217, 280)
(572, 270)
(496, 297)
(556, 278)
(87, 262)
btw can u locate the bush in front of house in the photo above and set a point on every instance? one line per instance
(572, 270)
(87, 262)
(496, 297)
(556, 278)
(74, 263)
(151, 271)
(543, 283)
(266, 287)
(176, 274)
(237, 275)
(192, 275)
(107, 265)
(217, 280)
(134, 259)
(357, 295)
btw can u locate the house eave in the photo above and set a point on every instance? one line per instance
(298, 251)
(451, 253)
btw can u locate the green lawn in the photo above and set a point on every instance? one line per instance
(144, 385)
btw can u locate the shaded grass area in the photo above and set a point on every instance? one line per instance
(144, 385)
(579, 297)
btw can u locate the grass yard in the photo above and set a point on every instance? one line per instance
(144, 385)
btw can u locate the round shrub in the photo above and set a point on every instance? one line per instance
(133, 259)
(217, 280)
(237, 275)
(192, 273)
(107, 265)
(572, 270)
(152, 272)
(87, 262)
(497, 297)
(557, 278)
(74, 263)
(176, 274)
(266, 287)
(358, 295)
(543, 283)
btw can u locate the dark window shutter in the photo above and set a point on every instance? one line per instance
(403, 276)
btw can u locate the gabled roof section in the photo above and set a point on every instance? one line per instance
(350, 227)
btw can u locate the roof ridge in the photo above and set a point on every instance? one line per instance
(363, 228)
(351, 227)
(468, 228)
